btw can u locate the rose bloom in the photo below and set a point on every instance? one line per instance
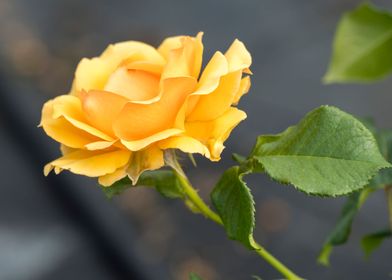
(134, 101)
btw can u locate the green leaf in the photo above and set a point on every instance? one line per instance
(117, 188)
(372, 241)
(384, 177)
(362, 46)
(341, 232)
(164, 181)
(329, 153)
(232, 199)
(194, 276)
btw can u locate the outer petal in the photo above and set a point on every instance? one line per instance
(91, 74)
(63, 120)
(216, 98)
(244, 88)
(213, 105)
(139, 121)
(214, 133)
(186, 144)
(209, 80)
(137, 145)
(215, 69)
(183, 55)
(100, 145)
(70, 107)
(102, 108)
(238, 56)
(148, 159)
(63, 131)
(90, 163)
(94, 73)
(109, 179)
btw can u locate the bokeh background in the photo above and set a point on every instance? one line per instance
(62, 227)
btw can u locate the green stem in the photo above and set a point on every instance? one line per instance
(285, 271)
(197, 200)
(207, 212)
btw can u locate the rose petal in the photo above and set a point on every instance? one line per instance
(134, 85)
(99, 145)
(238, 56)
(63, 120)
(137, 145)
(213, 133)
(63, 131)
(139, 121)
(90, 163)
(109, 179)
(220, 83)
(183, 54)
(213, 105)
(70, 107)
(215, 69)
(186, 144)
(94, 73)
(244, 88)
(148, 159)
(102, 108)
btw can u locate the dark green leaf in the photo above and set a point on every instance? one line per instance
(362, 46)
(341, 232)
(194, 276)
(117, 188)
(384, 177)
(329, 153)
(372, 241)
(234, 203)
(165, 182)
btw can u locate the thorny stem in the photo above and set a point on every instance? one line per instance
(193, 196)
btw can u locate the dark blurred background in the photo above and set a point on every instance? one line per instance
(62, 227)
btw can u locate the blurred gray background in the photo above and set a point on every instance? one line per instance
(63, 228)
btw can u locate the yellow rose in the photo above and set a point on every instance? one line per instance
(134, 101)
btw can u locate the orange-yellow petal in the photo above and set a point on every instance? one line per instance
(91, 74)
(100, 145)
(138, 121)
(238, 56)
(109, 179)
(213, 105)
(213, 133)
(220, 84)
(209, 80)
(90, 163)
(186, 144)
(131, 51)
(137, 145)
(148, 159)
(101, 108)
(94, 73)
(134, 85)
(70, 107)
(244, 88)
(183, 55)
(146, 66)
(62, 130)
(215, 69)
